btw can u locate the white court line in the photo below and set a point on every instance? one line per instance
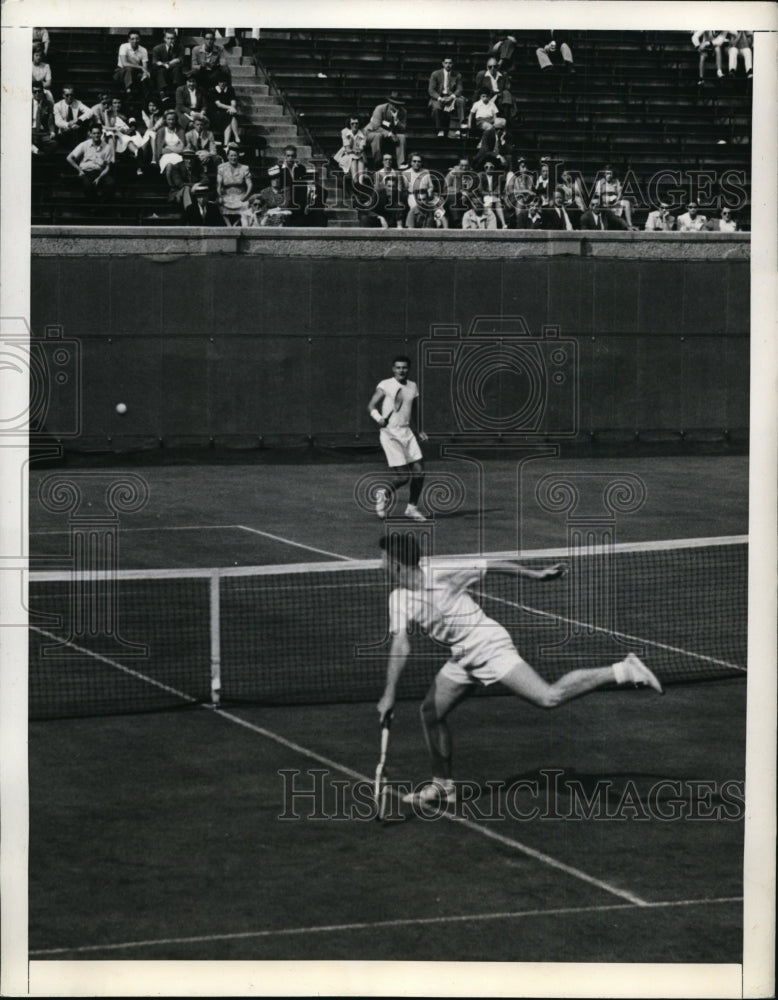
(609, 631)
(381, 924)
(304, 751)
(164, 527)
(300, 545)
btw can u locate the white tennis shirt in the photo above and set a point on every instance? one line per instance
(400, 408)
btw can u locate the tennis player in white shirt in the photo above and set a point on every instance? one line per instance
(481, 650)
(396, 397)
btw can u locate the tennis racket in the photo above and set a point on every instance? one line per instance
(380, 791)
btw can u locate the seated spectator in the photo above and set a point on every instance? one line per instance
(351, 155)
(132, 68)
(494, 145)
(100, 110)
(445, 91)
(191, 102)
(691, 221)
(483, 114)
(116, 127)
(41, 40)
(460, 182)
(223, 112)
(543, 183)
(41, 72)
(385, 132)
(169, 146)
(417, 179)
(392, 203)
(556, 215)
(725, 224)
(573, 191)
(71, 119)
(202, 211)
(387, 167)
(367, 201)
(153, 119)
(167, 65)
(43, 132)
(209, 63)
(661, 220)
(530, 217)
(740, 44)
(93, 160)
(555, 52)
(504, 50)
(707, 42)
(201, 144)
(479, 217)
(293, 181)
(608, 190)
(491, 184)
(596, 218)
(267, 207)
(496, 85)
(315, 211)
(233, 187)
(519, 186)
(428, 212)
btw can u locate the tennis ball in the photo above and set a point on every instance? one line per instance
(121, 408)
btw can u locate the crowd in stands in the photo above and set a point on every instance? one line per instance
(172, 114)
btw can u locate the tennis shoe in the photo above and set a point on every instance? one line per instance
(439, 791)
(632, 670)
(413, 512)
(381, 503)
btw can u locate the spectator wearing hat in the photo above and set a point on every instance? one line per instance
(167, 64)
(202, 211)
(691, 221)
(479, 217)
(268, 205)
(724, 224)
(201, 144)
(555, 51)
(209, 63)
(385, 132)
(233, 188)
(71, 119)
(132, 67)
(445, 90)
(191, 102)
(351, 155)
(661, 220)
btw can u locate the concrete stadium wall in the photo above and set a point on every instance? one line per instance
(276, 337)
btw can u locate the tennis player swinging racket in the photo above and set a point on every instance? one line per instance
(481, 651)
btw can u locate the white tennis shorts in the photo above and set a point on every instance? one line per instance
(400, 446)
(483, 672)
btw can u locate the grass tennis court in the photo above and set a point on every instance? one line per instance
(156, 835)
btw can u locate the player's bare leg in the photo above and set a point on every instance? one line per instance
(442, 696)
(385, 498)
(416, 475)
(522, 680)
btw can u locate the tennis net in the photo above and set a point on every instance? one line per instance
(315, 633)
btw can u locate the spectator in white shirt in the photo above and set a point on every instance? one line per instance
(706, 42)
(479, 217)
(691, 221)
(661, 220)
(132, 68)
(725, 224)
(70, 119)
(92, 159)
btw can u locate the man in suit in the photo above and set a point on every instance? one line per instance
(596, 218)
(202, 212)
(167, 65)
(530, 217)
(201, 143)
(446, 98)
(209, 63)
(385, 132)
(190, 102)
(314, 212)
(294, 178)
(555, 215)
(42, 121)
(71, 119)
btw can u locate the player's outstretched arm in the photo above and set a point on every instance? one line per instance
(515, 569)
(398, 657)
(372, 408)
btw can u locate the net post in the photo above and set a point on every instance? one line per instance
(215, 615)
